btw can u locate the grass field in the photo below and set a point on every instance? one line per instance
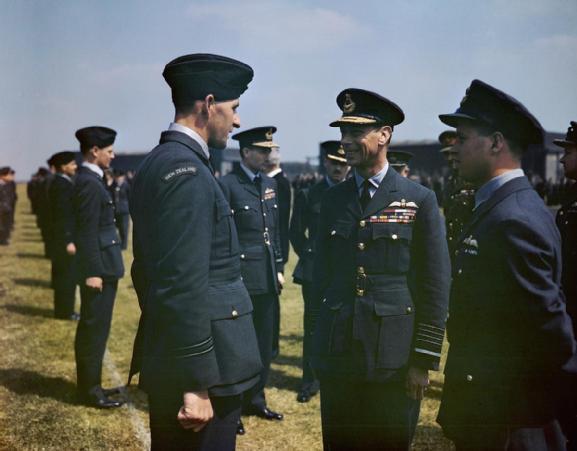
(37, 372)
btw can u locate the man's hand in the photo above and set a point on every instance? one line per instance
(70, 249)
(95, 283)
(281, 281)
(417, 382)
(196, 411)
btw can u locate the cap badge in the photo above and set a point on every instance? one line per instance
(341, 151)
(268, 135)
(348, 105)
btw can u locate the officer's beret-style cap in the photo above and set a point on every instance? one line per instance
(193, 77)
(257, 137)
(333, 150)
(96, 136)
(570, 137)
(5, 170)
(361, 107)
(398, 158)
(485, 105)
(61, 158)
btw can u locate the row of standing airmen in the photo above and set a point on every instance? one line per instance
(378, 289)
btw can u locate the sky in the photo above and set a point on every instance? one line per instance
(66, 64)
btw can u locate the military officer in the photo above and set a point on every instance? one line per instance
(121, 194)
(5, 205)
(458, 195)
(399, 161)
(253, 197)
(382, 271)
(99, 263)
(508, 331)
(303, 234)
(63, 253)
(567, 224)
(196, 347)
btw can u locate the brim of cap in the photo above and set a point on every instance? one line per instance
(265, 144)
(334, 157)
(564, 143)
(355, 120)
(448, 149)
(453, 120)
(398, 165)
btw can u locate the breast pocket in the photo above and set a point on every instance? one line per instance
(247, 216)
(339, 236)
(391, 247)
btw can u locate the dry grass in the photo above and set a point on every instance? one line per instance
(37, 372)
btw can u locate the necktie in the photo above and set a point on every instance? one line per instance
(365, 195)
(257, 182)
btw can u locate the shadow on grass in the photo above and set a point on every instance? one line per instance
(29, 310)
(292, 337)
(26, 239)
(282, 381)
(29, 255)
(288, 360)
(25, 382)
(29, 282)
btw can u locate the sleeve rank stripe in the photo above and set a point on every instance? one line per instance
(424, 351)
(197, 353)
(431, 337)
(209, 340)
(430, 326)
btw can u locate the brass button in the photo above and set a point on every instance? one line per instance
(460, 271)
(242, 256)
(234, 313)
(324, 300)
(266, 229)
(360, 270)
(362, 246)
(113, 241)
(457, 251)
(469, 378)
(264, 214)
(394, 236)
(362, 223)
(333, 232)
(409, 310)
(246, 207)
(232, 211)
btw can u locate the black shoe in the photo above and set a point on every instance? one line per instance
(113, 391)
(304, 396)
(74, 317)
(240, 428)
(268, 414)
(96, 398)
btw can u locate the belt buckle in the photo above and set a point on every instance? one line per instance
(361, 282)
(266, 238)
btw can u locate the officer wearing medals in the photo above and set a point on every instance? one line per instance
(509, 334)
(196, 347)
(399, 161)
(303, 236)
(253, 197)
(567, 224)
(458, 196)
(382, 271)
(99, 263)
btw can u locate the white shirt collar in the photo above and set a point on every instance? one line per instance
(274, 172)
(94, 168)
(192, 134)
(64, 176)
(375, 180)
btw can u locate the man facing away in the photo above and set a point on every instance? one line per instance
(196, 347)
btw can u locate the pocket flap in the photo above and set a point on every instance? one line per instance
(341, 229)
(254, 253)
(229, 301)
(393, 231)
(393, 303)
(108, 238)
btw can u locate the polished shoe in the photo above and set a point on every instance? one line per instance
(240, 428)
(268, 414)
(304, 396)
(113, 391)
(96, 398)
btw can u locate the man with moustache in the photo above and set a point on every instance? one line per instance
(399, 161)
(254, 199)
(382, 272)
(63, 249)
(196, 347)
(303, 235)
(567, 224)
(99, 263)
(509, 334)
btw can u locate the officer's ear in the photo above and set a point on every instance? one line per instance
(207, 105)
(93, 152)
(385, 133)
(498, 141)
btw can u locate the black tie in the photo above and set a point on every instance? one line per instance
(257, 182)
(365, 195)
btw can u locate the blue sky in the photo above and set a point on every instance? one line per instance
(71, 63)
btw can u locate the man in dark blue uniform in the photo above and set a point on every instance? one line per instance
(399, 161)
(5, 204)
(99, 262)
(303, 235)
(121, 195)
(508, 331)
(567, 224)
(63, 249)
(196, 348)
(253, 197)
(382, 271)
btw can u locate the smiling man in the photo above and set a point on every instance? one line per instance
(382, 272)
(196, 346)
(509, 333)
